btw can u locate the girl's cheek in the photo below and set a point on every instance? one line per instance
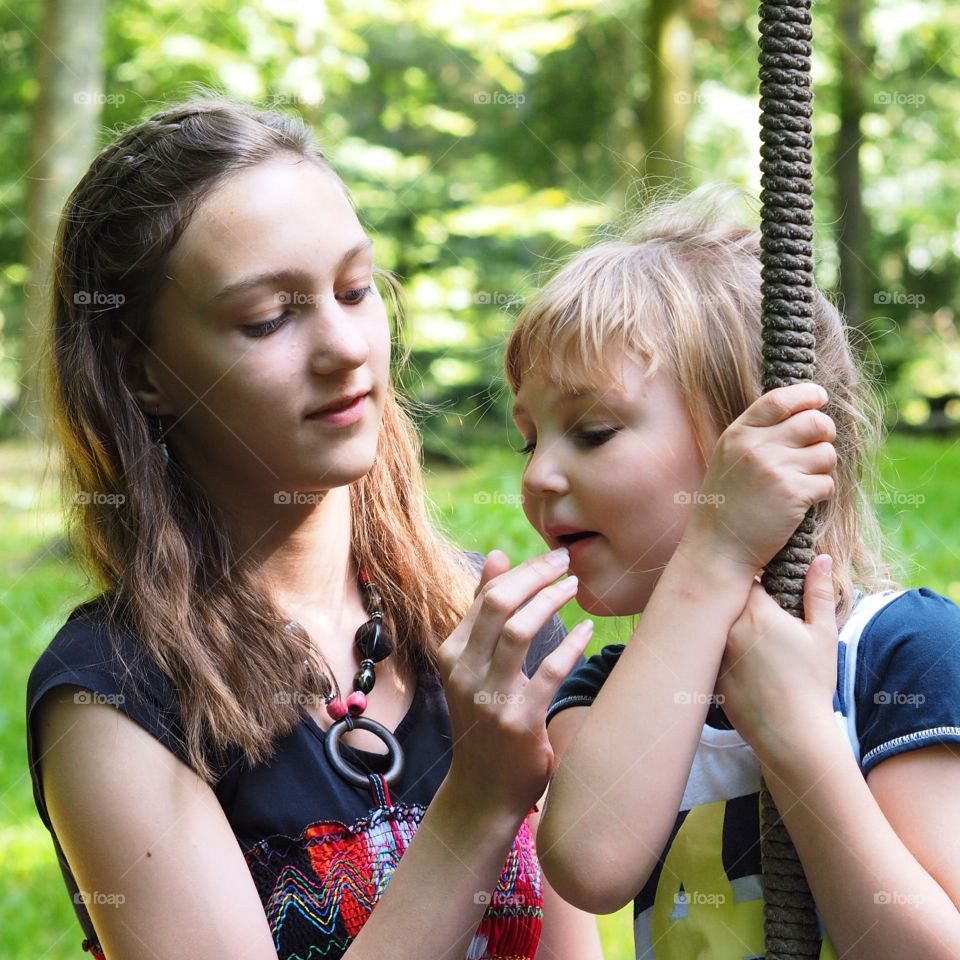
(527, 503)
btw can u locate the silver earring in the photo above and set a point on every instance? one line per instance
(162, 442)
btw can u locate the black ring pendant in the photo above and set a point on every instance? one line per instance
(332, 746)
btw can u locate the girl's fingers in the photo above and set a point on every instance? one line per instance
(499, 599)
(495, 564)
(822, 487)
(554, 669)
(778, 405)
(808, 461)
(819, 603)
(514, 641)
(805, 428)
(820, 458)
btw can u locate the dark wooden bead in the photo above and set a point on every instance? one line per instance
(364, 681)
(373, 640)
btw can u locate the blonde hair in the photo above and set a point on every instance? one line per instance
(147, 531)
(680, 287)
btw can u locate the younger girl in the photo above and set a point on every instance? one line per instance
(672, 481)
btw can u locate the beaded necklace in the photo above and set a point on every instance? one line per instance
(374, 643)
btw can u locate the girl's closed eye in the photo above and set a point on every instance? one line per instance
(527, 448)
(356, 295)
(350, 297)
(268, 326)
(596, 437)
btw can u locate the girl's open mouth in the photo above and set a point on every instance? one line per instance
(566, 539)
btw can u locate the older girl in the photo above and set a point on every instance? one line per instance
(242, 746)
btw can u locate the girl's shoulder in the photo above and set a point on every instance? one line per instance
(107, 665)
(94, 647)
(890, 623)
(584, 682)
(900, 672)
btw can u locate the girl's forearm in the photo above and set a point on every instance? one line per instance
(621, 779)
(453, 864)
(877, 901)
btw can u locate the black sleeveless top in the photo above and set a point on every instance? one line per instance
(320, 850)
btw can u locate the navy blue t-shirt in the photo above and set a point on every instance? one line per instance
(301, 827)
(898, 689)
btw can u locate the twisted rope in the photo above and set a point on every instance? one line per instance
(787, 288)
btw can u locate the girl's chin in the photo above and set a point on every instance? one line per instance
(609, 604)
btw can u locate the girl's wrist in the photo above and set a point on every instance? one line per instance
(474, 812)
(701, 559)
(792, 755)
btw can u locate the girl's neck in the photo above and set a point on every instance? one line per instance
(302, 552)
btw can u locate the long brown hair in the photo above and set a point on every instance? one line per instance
(149, 533)
(680, 286)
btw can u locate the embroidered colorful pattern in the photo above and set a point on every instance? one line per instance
(319, 889)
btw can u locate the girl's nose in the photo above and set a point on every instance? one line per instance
(339, 341)
(544, 473)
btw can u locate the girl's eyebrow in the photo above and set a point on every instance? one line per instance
(232, 290)
(568, 396)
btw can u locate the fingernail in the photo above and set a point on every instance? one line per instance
(570, 583)
(827, 562)
(559, 558)
(585, 627)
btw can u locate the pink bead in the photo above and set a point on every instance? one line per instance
(337, 709)
(356, 702)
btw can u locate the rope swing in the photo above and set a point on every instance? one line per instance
(786, 228)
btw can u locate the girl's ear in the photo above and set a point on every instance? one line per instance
(136, 364)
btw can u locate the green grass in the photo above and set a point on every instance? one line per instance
(920, 511)
(478, 506)
(37, 591)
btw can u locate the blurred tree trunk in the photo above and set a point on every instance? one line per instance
(63, 136)
(669, 66)
(853, 227)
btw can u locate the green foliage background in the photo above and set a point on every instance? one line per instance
(483, 143)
